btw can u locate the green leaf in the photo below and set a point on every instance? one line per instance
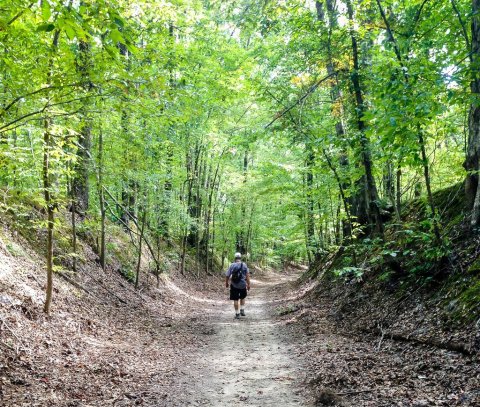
(46, 10)
(117, 36)
(46, 27)
(70, 31)
(132, 48)
(119, 22)
(112, 51)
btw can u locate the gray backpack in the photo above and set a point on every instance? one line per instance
(237, 274)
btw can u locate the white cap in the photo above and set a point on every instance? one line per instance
(238, 255)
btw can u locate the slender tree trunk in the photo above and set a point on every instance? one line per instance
(47, 188)
(129, 186)
(370, 185)
(309, 165)
(241, 235)
(191, 174)
(80, 184)
(81, 181)
(212, 188)
(420, 135)
(184, 253)
(140, 240)
(388, 183)
(346, 206)
(336, 96)
(101, 197)
(398, 206)
(47, 145)
(309, 254)
(436, 229)
(250, 229)
(74, 236)
(167, 192)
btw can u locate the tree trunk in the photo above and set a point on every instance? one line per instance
(388, 183)
(370, 185)
(309, 164)
(241, 235)
(309, 254)
(347, 228)
(80, 181)
(74, 237)
(472, 159)
(167, 192)
(140, 240)
(336, 96)
(420, 135)
(47, 141)
(47, 189)
(398, 205)
(426, 173)
(101, 197)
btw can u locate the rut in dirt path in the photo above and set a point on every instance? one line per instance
(248, 362)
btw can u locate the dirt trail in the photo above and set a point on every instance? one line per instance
(247, 362)
(181, 347)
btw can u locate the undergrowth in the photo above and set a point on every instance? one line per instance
(411, 258)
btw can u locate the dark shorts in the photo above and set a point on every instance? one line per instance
(237, 293)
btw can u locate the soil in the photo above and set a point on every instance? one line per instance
(246, 362)
(179, 345)
(106, 344)
(347, 366)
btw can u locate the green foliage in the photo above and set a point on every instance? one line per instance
(221, 121)
(350, 273)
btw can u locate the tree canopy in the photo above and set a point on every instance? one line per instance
(278, 129)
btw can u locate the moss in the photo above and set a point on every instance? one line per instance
(474, 268)
(470, 301)
(465, 307)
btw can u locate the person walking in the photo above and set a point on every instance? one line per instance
(238, 278)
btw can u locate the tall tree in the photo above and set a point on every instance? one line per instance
(365, 147)
(472, 161)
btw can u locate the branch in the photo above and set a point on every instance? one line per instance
(462, 23)
(17, 99)
(20, 13)
(309, 92)
(417, 15)
(390, 34)
(6, 127)
(130, 231)
(43, 118)
(135, 221)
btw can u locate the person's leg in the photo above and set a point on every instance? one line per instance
(242, 306)
(234, 295)
(237, 313)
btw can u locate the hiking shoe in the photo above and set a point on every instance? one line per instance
(242, 313)
(237, 316)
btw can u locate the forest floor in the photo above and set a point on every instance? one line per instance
(180, 346)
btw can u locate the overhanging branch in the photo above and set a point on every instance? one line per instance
(312, 89)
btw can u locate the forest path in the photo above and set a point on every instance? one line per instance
(246, 362)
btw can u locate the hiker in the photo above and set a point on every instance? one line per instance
(239, 278)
